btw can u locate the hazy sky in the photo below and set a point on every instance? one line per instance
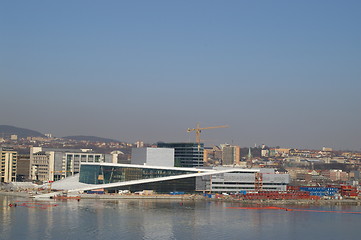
(284, 73)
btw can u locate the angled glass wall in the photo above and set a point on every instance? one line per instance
(186, 185)
(99, 174)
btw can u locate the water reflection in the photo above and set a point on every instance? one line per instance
(169, 219)
(5, 217)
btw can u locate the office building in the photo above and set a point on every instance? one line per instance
(48, 164)
(231, 155)
(186, 154)
(265, 179)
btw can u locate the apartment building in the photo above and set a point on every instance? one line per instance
(8, 164)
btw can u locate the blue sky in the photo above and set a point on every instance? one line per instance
(283, 73)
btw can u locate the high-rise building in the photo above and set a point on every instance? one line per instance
(230, 154)
(185, 154)
(8, 164)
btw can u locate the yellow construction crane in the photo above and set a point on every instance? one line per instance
(198, 131)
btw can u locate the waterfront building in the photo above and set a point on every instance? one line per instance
(153, 156)
(231, 155)
(186, 154)
(47, 164)
(8, 164)
(40, 169)
(265, 179)
(115, 177)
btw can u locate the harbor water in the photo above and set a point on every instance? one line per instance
(171, 219)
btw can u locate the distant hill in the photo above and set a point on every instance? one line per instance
(6, 131)
(90, 139)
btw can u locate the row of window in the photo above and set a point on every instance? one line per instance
(246, 183)
(245, 188)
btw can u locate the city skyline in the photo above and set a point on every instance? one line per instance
(11, 135)
(278, 73)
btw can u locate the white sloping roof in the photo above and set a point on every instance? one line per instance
(69, 183)
(72, 184)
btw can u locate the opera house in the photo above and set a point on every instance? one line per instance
(114, 177)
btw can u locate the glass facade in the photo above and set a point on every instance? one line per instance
(185, 154)
(101, 174)
(180, 185)
(234, 180)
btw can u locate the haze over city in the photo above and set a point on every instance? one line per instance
(280, 73)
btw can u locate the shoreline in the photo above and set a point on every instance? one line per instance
(321, 202)
(195, 197)
(15, 194)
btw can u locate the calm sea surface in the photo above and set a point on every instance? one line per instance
(170, 219)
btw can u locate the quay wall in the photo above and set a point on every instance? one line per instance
(199, 197)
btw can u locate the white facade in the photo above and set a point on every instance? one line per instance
(8, 163)
(265, 152)
(243, 180)
(53, 164)
(14, 137)
(153, 156)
